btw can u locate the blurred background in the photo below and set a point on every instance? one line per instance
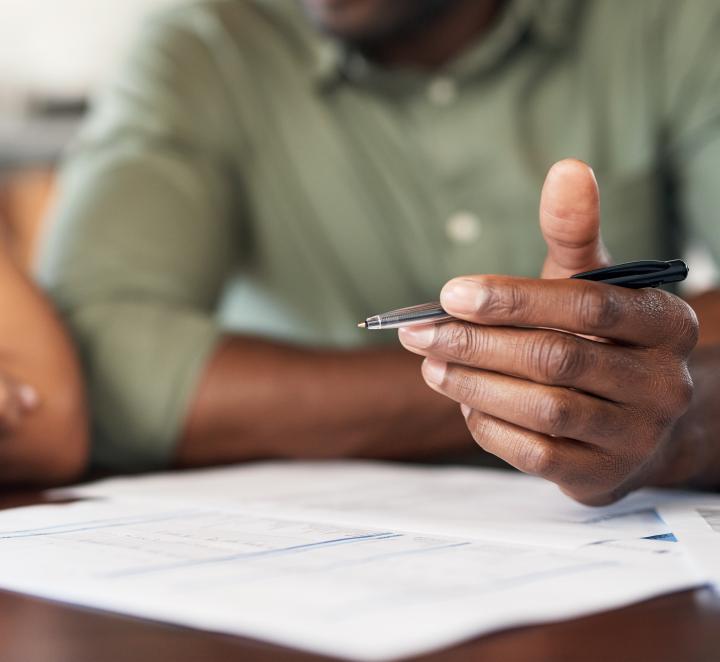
(53, 55)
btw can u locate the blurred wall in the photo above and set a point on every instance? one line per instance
(53, 53)
(60, 49)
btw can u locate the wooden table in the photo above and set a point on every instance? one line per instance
(684, 627)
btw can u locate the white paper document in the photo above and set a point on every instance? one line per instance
(260, 551)
(696, 525)
(469, 502)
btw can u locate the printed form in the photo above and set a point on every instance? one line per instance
(363, 561)
(696, 523)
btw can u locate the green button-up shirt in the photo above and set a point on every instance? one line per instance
(243, 173)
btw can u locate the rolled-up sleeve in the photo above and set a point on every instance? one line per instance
(141, 239)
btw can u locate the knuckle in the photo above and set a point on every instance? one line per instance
(463, 341)
(608, 423)
(599, 308)
(540, 458)
(674, 396)
(480, 427)
(687, 329)
(682, 391)
(505, 301)
(686, 390)
(681, 330)
(603, 484)
(558, 358)
(467, 386)
(555, 413)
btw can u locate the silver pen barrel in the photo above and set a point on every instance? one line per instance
(425, 313)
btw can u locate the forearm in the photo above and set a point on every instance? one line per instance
(693, 454)
(259, 399)
(49, 445)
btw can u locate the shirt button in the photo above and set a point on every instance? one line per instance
(442, 91)
(463, 227)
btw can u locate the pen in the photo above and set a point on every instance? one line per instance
(645, 273)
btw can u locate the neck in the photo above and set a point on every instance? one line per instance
(432, 44)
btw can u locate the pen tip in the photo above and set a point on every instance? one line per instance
(362, 325)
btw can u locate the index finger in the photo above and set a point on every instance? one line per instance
(645, 317)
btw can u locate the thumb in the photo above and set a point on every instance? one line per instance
(570, 220)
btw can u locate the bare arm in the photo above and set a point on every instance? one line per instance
(262, 400)
(259, 400)
(43, 422)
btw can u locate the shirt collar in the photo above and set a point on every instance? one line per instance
(553, 21)
(549, 23)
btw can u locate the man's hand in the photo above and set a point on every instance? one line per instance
(16, 400)
(575, 381)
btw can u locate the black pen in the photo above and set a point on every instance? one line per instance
(646, 273)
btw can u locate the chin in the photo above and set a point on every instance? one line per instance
(364, 20)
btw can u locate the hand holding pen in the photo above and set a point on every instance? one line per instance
(645, 273)
(577, 381)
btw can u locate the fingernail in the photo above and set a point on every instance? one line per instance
(28, 396)
(465, 410)
(434, 371)
(461, 296)
(418, 336)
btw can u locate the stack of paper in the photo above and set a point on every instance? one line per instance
(358, 560)
(696, 523)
